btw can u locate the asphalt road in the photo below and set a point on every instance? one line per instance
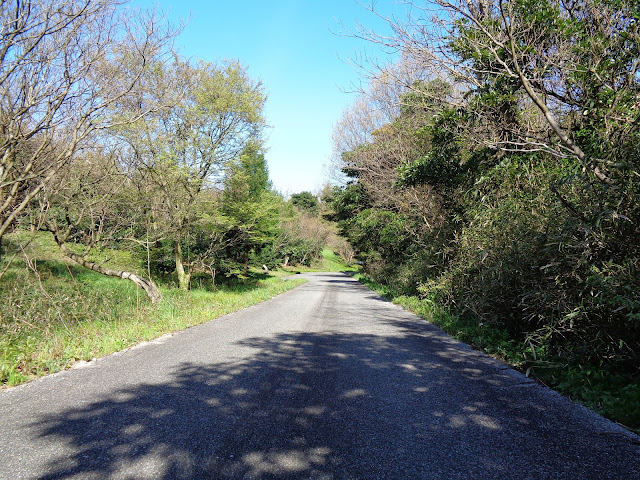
(327, 381)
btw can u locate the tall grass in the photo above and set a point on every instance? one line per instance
(53, 313)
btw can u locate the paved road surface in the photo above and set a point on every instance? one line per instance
(327, 381)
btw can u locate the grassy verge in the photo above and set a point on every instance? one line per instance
(330, 262)
(616, 397)
(54, 313)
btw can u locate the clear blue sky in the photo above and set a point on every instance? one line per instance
(289, 45)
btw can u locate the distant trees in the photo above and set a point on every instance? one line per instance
(305, 201)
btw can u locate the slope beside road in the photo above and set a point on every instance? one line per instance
(327, 381)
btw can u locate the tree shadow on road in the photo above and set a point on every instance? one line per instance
(326, 405)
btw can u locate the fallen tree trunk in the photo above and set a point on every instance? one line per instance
(147, 285)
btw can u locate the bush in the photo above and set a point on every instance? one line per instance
(562, 279)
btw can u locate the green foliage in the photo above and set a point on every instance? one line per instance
(522, 223)
(249, 177)
(345, 202)
(301, 239)
(425, 97)
(442, 163)
(333, 262)
(305, 201)
(297, 251)
(248, 205)
(616, 396)
(181, 153)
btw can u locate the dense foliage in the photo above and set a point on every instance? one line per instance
(508, 189)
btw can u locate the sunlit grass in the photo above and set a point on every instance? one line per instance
(330, 262)
(54, 313)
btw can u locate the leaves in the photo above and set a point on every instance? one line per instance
(520, 154)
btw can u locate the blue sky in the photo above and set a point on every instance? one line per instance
(289, 45)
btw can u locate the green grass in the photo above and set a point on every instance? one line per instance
(614, 396)
(330, 262)
(55, 313)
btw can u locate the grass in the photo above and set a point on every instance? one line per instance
(330, 262)
(616, 397)
(54, 313)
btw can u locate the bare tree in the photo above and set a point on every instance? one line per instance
(63, 64)
(377, 136)
(94, 205)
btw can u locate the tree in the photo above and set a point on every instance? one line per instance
(184, 149)
(248, 203)
(545, 75)
(63, 64)
(305, 201)
(519, 121)
(94, 204)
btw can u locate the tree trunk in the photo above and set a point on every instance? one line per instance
(148, 285)
(184, 278)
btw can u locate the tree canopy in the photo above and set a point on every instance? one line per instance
(501, 179)
(305, 201)
(110, 139)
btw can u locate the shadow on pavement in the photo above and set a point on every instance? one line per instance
(327, 405)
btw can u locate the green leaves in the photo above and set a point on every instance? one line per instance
(305, 201)
(508, 189)
(441, 164)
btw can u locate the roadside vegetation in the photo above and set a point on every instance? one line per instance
(491, 183)
(54, 313)
(330, 261)
(135, 197)
(612, 395)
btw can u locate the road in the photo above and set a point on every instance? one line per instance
(327, 381)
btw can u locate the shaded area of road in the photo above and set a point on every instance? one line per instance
(325, 382)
